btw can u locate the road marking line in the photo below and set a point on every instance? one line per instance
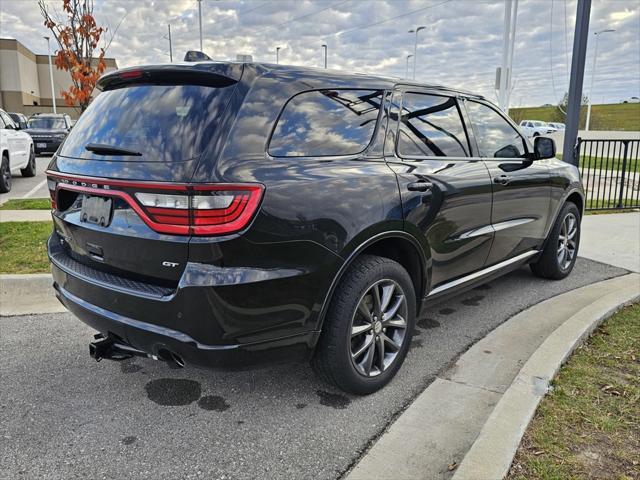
(34, 189)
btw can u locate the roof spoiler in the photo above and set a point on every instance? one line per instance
(214, 74)
(196, 56)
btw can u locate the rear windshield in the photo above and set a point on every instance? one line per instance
(47, 123)
(161, 123)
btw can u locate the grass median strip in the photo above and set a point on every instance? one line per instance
(589, 425)
(23, 247)
(27, 204)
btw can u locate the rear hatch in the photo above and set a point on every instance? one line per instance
(120, 182)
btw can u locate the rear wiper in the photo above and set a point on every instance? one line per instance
(102, 149)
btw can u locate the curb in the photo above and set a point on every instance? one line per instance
(491, 455)
(28, 294)
(434, 436)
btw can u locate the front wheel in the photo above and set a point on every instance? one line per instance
(5, 175)
(561, 251)
(368, 327)
(30, 169)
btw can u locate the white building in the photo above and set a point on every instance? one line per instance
(25, 85)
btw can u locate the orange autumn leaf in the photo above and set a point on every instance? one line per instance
(78, 36)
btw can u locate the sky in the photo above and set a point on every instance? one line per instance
(460, 47)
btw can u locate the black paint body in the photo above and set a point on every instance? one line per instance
(261, 294)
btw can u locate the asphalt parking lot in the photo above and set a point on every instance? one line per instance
(34, 187)
(65, 416)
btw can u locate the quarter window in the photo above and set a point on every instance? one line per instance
(326, 123)
(431, 126)
(496, 138)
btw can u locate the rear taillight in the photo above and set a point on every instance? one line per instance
(51, 185)
(206, 210)
(182, 209)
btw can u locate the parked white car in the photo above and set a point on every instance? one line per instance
(556, 125)
(535, 128)
(17, 152)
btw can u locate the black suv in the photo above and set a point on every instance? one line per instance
(226, 214)
(48, 130)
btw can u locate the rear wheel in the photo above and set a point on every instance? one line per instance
(5, 175)
(30, 169)
(560, 253)
(368, 327)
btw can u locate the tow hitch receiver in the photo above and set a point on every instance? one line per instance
(107, 347)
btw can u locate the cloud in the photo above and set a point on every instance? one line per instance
(461, 46)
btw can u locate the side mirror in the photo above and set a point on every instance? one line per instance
(544, 147)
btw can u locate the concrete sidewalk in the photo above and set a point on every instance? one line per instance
(25, 216)
(433, 436)
(613, 239)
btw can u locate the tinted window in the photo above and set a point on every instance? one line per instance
(496, 138)
(165, 123)
(431, 126)
(325, 123)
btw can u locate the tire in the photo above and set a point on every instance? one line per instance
(536, 134)
(353, 361)
(5, 175)
(30, 169)
(559, 254)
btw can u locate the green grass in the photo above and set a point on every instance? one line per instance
(589, 425)
(599, 163)
(27, 204)
(616, 116)
(610, 204)
(23, 247)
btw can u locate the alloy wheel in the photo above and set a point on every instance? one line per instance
(378, 328)
(567, 241)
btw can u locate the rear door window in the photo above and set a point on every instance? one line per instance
(163, 123)
(326, 123)
(431, 126)
(495, 136)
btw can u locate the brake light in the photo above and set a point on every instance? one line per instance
(51, 185)
(130, 74)
(189, 209)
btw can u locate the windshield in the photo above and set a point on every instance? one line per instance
(162, 123)
(47, 123)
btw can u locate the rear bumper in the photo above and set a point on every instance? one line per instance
(152, 339)
(203, 324)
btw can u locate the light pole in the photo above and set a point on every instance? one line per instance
(278, 55)
(415, 49)
(325, 54)
(170, 46)
(406, 75)
(53, 92)
(593, 75)
(200, 21)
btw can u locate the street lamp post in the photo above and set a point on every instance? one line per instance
(53, 91)
(200, 21)
(593, 75)
(407, 72)
(278, 55)
(170, 46)
(325, 54)
(415, 49)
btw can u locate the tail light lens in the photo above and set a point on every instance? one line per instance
(183, 209)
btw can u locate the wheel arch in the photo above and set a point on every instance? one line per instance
(399, 246)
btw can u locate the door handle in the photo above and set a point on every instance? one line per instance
(420, 186)
(502, 179)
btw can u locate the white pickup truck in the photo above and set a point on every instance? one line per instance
(535, 128)
(17, 152)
